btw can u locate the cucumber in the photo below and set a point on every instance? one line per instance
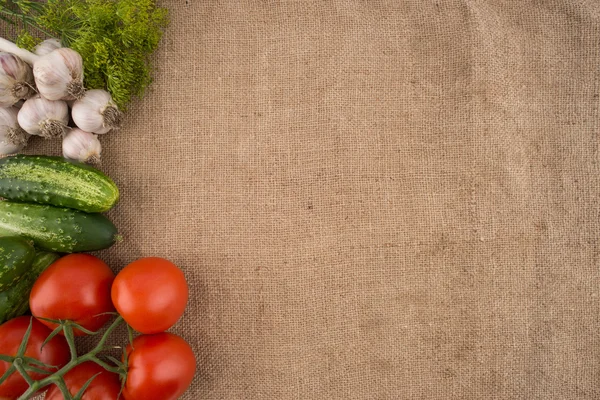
(56, 181)
(62, 230)
(15, 301)
(16, 255)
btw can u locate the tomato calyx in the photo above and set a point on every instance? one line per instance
(52, 375)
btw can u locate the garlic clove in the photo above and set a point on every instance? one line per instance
(82, 146)
(16, 80)
(12, 137)
(59, 75)
(96, 112)
(47, 46)
(42, 117)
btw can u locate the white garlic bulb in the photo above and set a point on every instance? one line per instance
(96, 112)
(42, 117)
(12, 137)
(16, 80)
(47, 46)
(59, 75)
(81, 146)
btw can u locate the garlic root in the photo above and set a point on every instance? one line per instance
(52, 129)
(17, 136)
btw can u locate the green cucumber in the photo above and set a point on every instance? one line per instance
(56, 181)
(63, 230)
(16, 255)
(15, 301)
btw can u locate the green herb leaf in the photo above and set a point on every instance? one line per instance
(26, 41)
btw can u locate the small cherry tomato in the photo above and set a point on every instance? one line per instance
(150, 294)
(105, 386)
(77, 288)
(160, 367)
(55, 352)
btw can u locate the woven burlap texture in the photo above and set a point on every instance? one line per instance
(373, 199)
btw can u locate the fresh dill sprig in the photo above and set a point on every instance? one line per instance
(26, 41)
(114, 37)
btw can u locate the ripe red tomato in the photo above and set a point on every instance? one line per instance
(150, 294)
(55, 352)
(77, 288)
(160, 367)
(105, 386)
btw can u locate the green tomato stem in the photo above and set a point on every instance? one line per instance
(104, 365)
(18, 363)
(70, 337)
(62, 386)
(100, 346)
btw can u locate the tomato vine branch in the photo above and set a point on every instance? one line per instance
(20, 362)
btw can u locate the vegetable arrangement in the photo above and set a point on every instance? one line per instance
(54, 79)
(95, 59)
(74, 86)
(53, 206)
(39, 354)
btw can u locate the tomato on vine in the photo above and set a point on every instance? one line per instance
(159, 367)
(76, 288)
(54, 353)
(75, 295)
(151, 294)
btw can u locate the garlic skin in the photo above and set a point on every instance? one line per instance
(47, 46)
(7, 147)
(42, 117)
(96, 112)
(16, 80)
(12, 137)
(59, 75)
(82, 146)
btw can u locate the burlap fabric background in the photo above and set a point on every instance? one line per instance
(374, 199)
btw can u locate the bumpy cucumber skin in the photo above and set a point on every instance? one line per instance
(62, 230)
(56, 181)
(14, 302)
(16, 255)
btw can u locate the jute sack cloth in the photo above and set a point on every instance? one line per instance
(373, 199)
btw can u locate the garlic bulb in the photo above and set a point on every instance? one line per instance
(16, 80)
(96, 112)
(47, 46)
(12, 137)
(81, 146)
(45, 118)
(59, 74)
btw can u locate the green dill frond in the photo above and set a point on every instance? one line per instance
(26, 41)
